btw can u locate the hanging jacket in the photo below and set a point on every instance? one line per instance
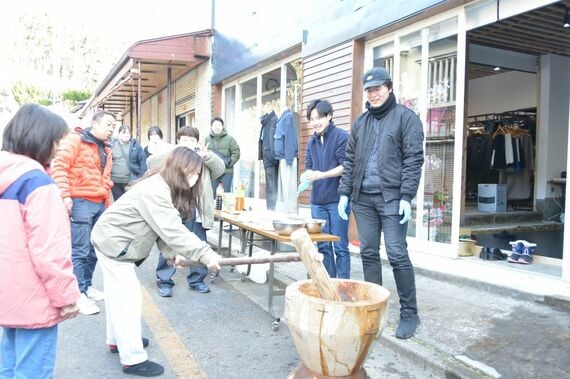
(36, 275)
(286, 141)
(266, 145)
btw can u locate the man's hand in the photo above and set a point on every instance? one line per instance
(342, 204)
(406, 210)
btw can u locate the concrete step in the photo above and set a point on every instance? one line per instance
(513, 217)
(513, 227)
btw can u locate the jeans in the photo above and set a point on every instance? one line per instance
(226, 181)
(28, 353)
(373, 216)
(336, 254)
(84, 215)
(118, 190)
(196, 273)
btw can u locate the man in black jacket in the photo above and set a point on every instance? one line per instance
(381, 174)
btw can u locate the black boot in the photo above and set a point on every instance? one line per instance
(406, 286)
(407, 326)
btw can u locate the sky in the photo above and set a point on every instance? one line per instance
(120, 22)
(133, 20)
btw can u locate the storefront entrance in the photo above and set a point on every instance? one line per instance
(516, 141)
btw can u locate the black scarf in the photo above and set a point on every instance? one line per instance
(382, 110)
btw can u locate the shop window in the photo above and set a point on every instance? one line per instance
(384, 57)
(246, 133)
(229, 107)
(186, 119)
(439, 133)
(293, 95)
(410, 71)
(270, 101)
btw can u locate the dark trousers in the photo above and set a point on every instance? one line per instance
(84, 215)
(196, 273)
(373, 216)
(226, 181)
(271, 182)
(118, 190)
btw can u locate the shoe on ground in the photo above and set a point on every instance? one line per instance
(407, 326)
(200, 287)
(165, 290)
(514, 258)
(87, 306)
(95, 294)
(146, 368)
(525, 259)
(114, 349)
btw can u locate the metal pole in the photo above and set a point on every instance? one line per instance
(139, 132)
(169, 104)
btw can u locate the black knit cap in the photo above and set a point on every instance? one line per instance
(375, 77)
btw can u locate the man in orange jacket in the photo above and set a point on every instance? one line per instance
(82, 170)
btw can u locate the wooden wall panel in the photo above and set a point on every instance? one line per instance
(327, 75)
(203, 98)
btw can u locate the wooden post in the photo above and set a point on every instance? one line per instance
(314, 264)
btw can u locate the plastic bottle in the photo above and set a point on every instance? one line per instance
(219, 196)
(240, 197)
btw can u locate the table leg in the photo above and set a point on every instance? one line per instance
(220, 237)
(230, 241)
(272, 291)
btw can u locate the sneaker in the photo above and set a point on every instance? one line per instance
(146, 368)
(407, 326)
(164, 290)
(517, 248)
(200, 287)
(95, 294)
(526, 256)
(514, 258)
(114, 349)
(87, 306)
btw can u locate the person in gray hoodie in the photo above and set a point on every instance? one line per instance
(200, 221)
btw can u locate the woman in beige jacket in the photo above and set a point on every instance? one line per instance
(151, 211)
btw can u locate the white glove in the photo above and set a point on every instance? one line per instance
(342, 204)
(406, 210)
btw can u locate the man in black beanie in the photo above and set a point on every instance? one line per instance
(381, 174)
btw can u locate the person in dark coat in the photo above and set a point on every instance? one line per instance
(381, 174)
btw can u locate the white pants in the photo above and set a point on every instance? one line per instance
(287, 187)
(123, 308)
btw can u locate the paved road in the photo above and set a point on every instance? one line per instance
(224, 334)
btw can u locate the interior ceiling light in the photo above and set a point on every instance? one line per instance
(566, 21)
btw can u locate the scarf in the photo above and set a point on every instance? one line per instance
(382, 110)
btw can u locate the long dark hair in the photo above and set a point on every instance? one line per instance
(33, 132)
(180, 163)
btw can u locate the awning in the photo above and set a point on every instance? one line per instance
(145, 65)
